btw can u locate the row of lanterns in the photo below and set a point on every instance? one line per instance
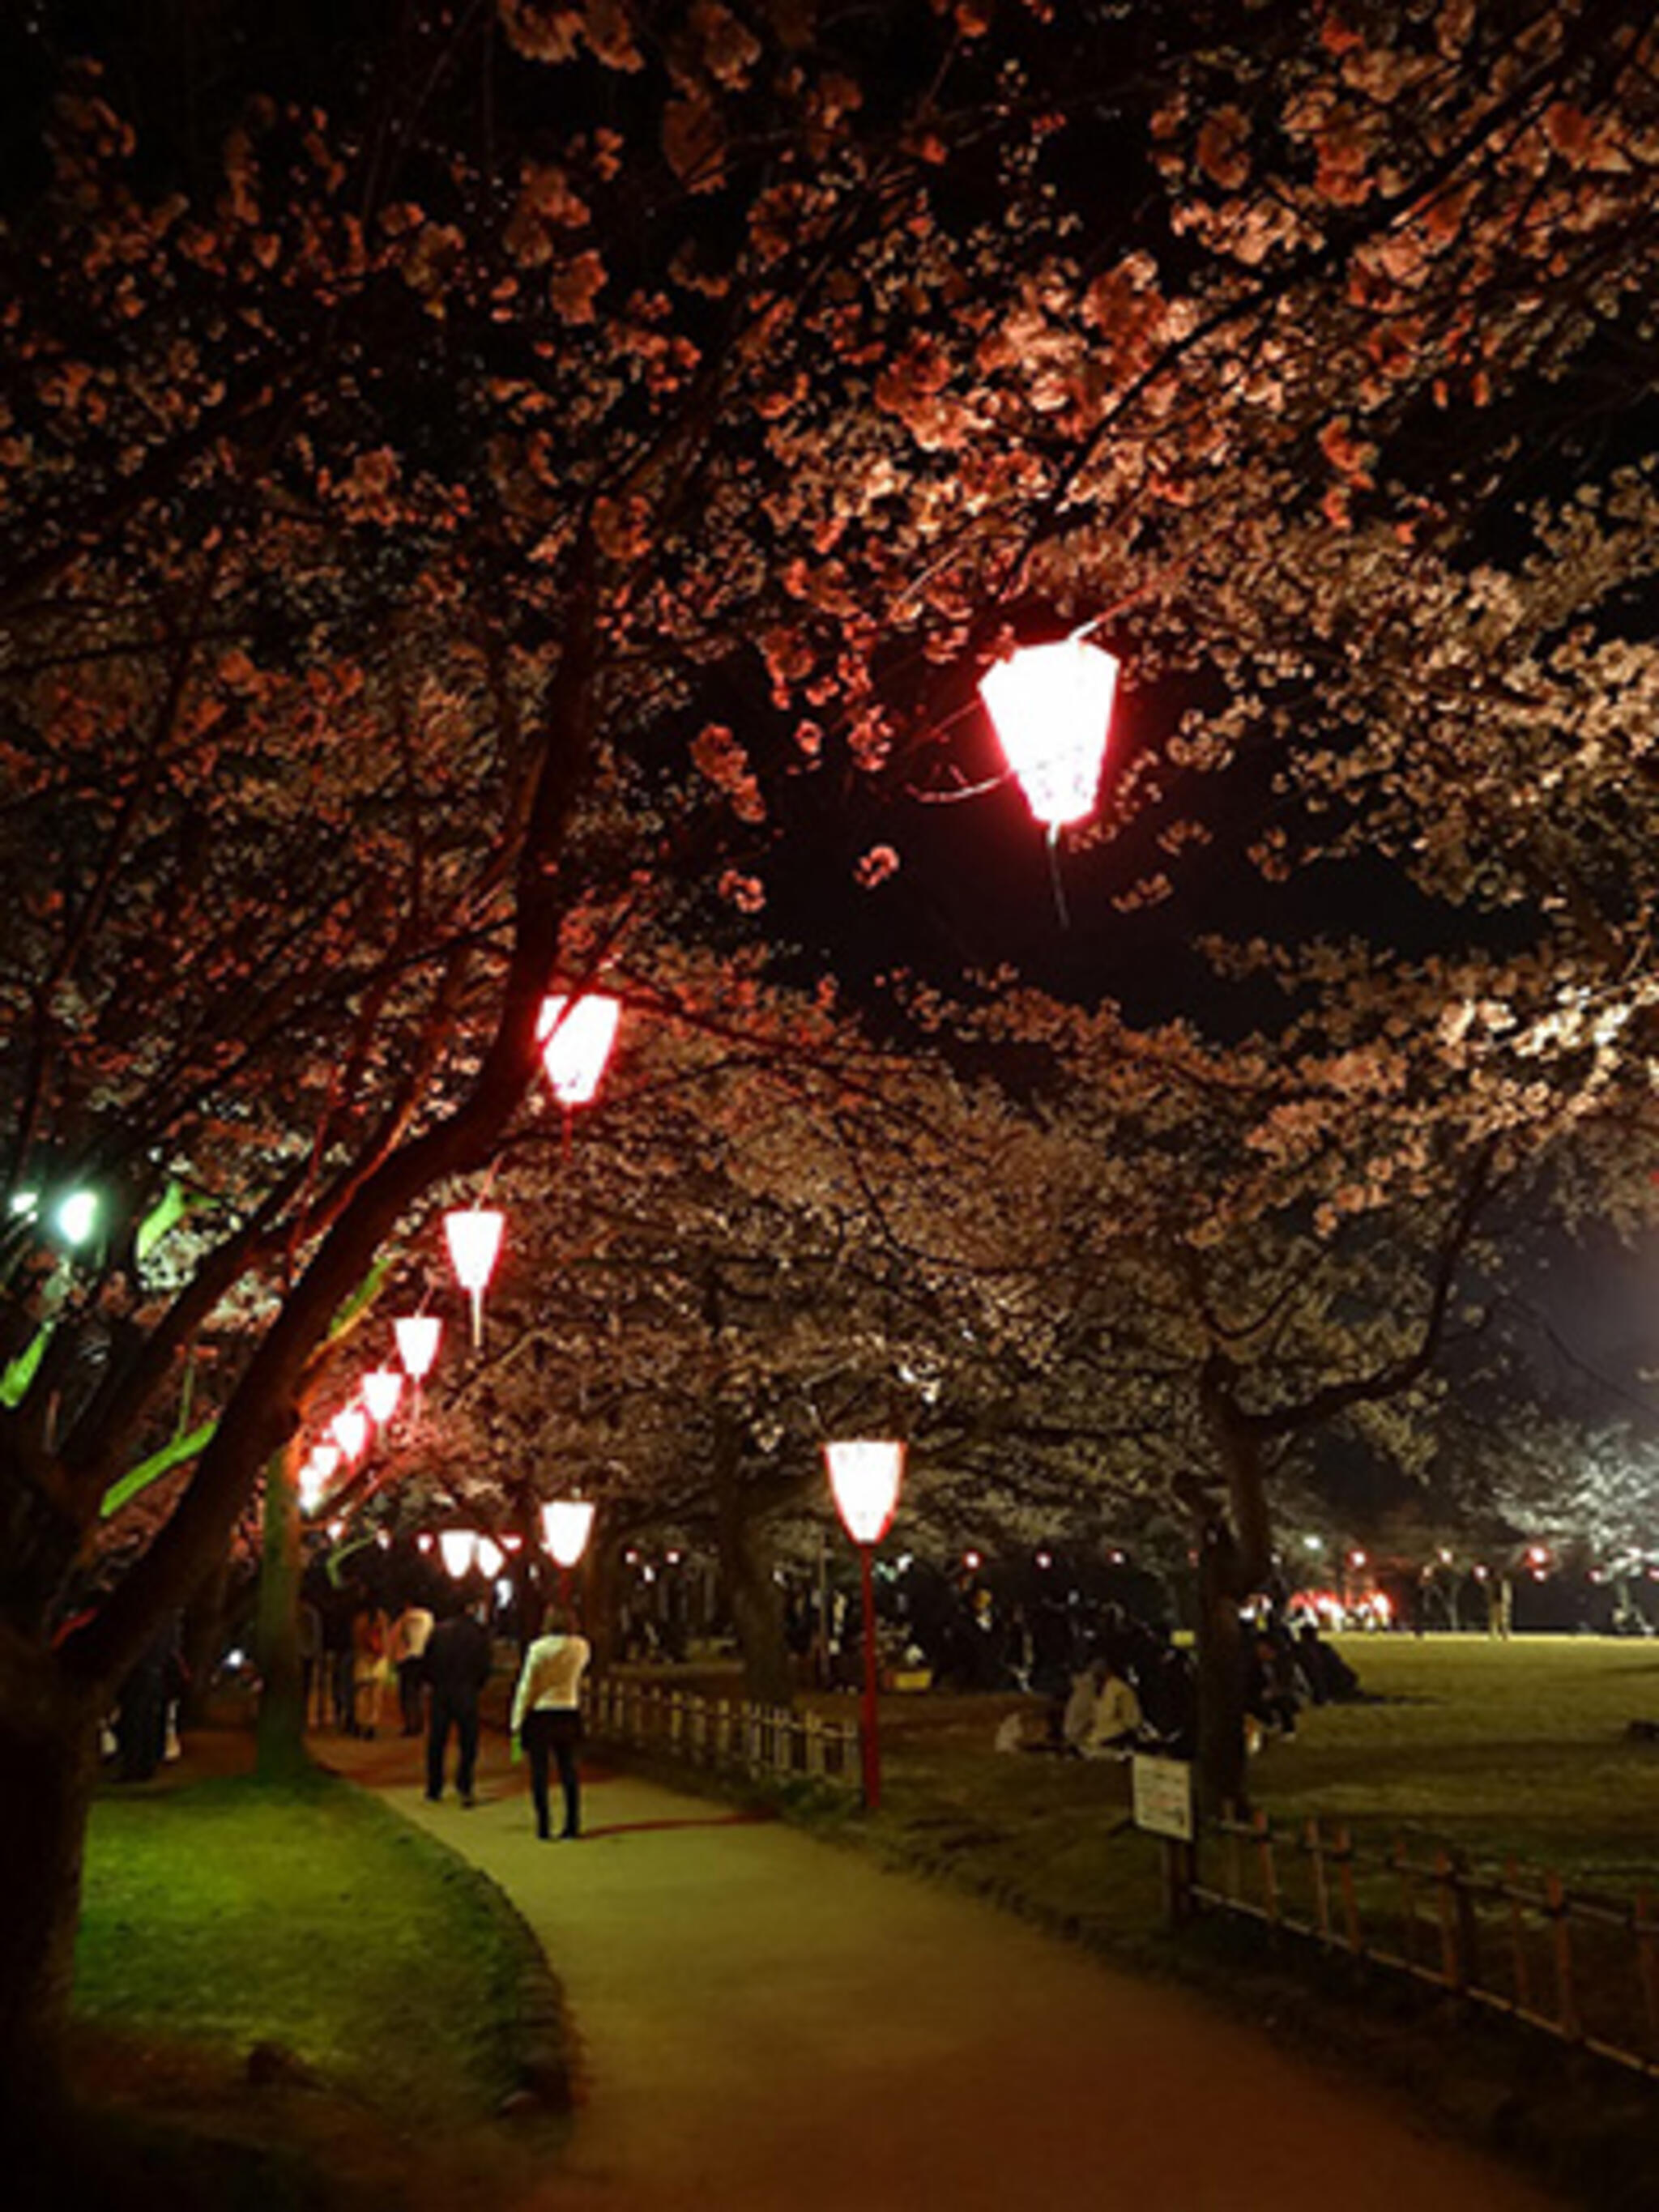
(575, 1037)
(1051, 708)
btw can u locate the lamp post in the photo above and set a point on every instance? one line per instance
(864, 1475)
(349, 1430)
(456, 1548)
(382, 1386)
(566, 1524)
(474, 1235)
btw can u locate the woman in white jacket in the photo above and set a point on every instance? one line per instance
(547, 1716)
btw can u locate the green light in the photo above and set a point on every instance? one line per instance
(78, 1217)
(25, 1201)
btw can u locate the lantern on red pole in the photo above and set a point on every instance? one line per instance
(576, 1035)
(316, 1474)
(1051, 706)
(456, 1548)
(349, 1430)
(864, 1475)
(474, 1234)
(566, 1524)
(418, 1336)
(382, 1386)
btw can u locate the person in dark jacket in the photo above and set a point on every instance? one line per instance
(458, 1659)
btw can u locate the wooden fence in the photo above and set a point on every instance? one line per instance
(766, 1742)
(1583, 1968)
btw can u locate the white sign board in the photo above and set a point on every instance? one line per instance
(1163, 1796)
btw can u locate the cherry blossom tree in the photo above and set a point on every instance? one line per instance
(460, 483)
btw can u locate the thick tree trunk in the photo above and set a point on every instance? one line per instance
(48, 1754)
(746, 1567)
(203, 1640)
(1235, 1555)
(602, 1596)
(1223, 1758)
(280, 1752)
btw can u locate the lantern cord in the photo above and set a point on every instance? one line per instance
(1061, 909)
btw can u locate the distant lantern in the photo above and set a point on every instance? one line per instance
(316, 1475)
(382, 1386)
(1051, 706)
(576, 1035)
(489, 1557)
(455, 1548)
(349, 1430)
(865, 1476)
(566, 1524)
(475, 1242)
(418, 1337)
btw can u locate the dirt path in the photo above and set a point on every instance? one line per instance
(767, 2022)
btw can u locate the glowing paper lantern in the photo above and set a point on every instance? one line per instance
(474, 1235)
(455, 1548)
(489, 1557)
(576, 1037)
(865, 1476)
(567, 1523)
(1051, 706)
(382, 1386)
(418, 1337)
(349, 1430)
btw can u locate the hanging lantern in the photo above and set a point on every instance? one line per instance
(488, 1557)
(455, 1548)
(316, 1475)
(576, 1035)
(865, 1476)
(382, 1386)
(1051, 706)
(423, 1542)
(349, 1430)
(475, 1242)
(566, 1524)
(418, 1337)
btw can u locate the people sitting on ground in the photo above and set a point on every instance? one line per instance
(1168, 1695)
(1077, 1714)
(1271, 1695)
(1115, 1727)
(1328, 1678)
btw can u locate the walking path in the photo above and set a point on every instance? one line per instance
(770, 2024)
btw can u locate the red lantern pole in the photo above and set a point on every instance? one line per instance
(865, 1475)
(869, 1735)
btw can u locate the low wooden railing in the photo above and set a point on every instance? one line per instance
(1581, 1967)
(767, 1742)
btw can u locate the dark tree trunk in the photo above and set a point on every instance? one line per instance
(1222, 1769)
(746, 1567)
(601, 1595)
(203, 1640)
(48, 1754)
(1234, 1559)
(280, 1734)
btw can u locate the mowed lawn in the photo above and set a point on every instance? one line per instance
(1498, 1748)
(227, 1915)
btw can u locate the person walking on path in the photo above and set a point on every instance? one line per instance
(547, 1717)
(458, 1661)
(406, 1648)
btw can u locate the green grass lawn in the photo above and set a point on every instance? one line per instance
(225, 1915)
(1499, 1748)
